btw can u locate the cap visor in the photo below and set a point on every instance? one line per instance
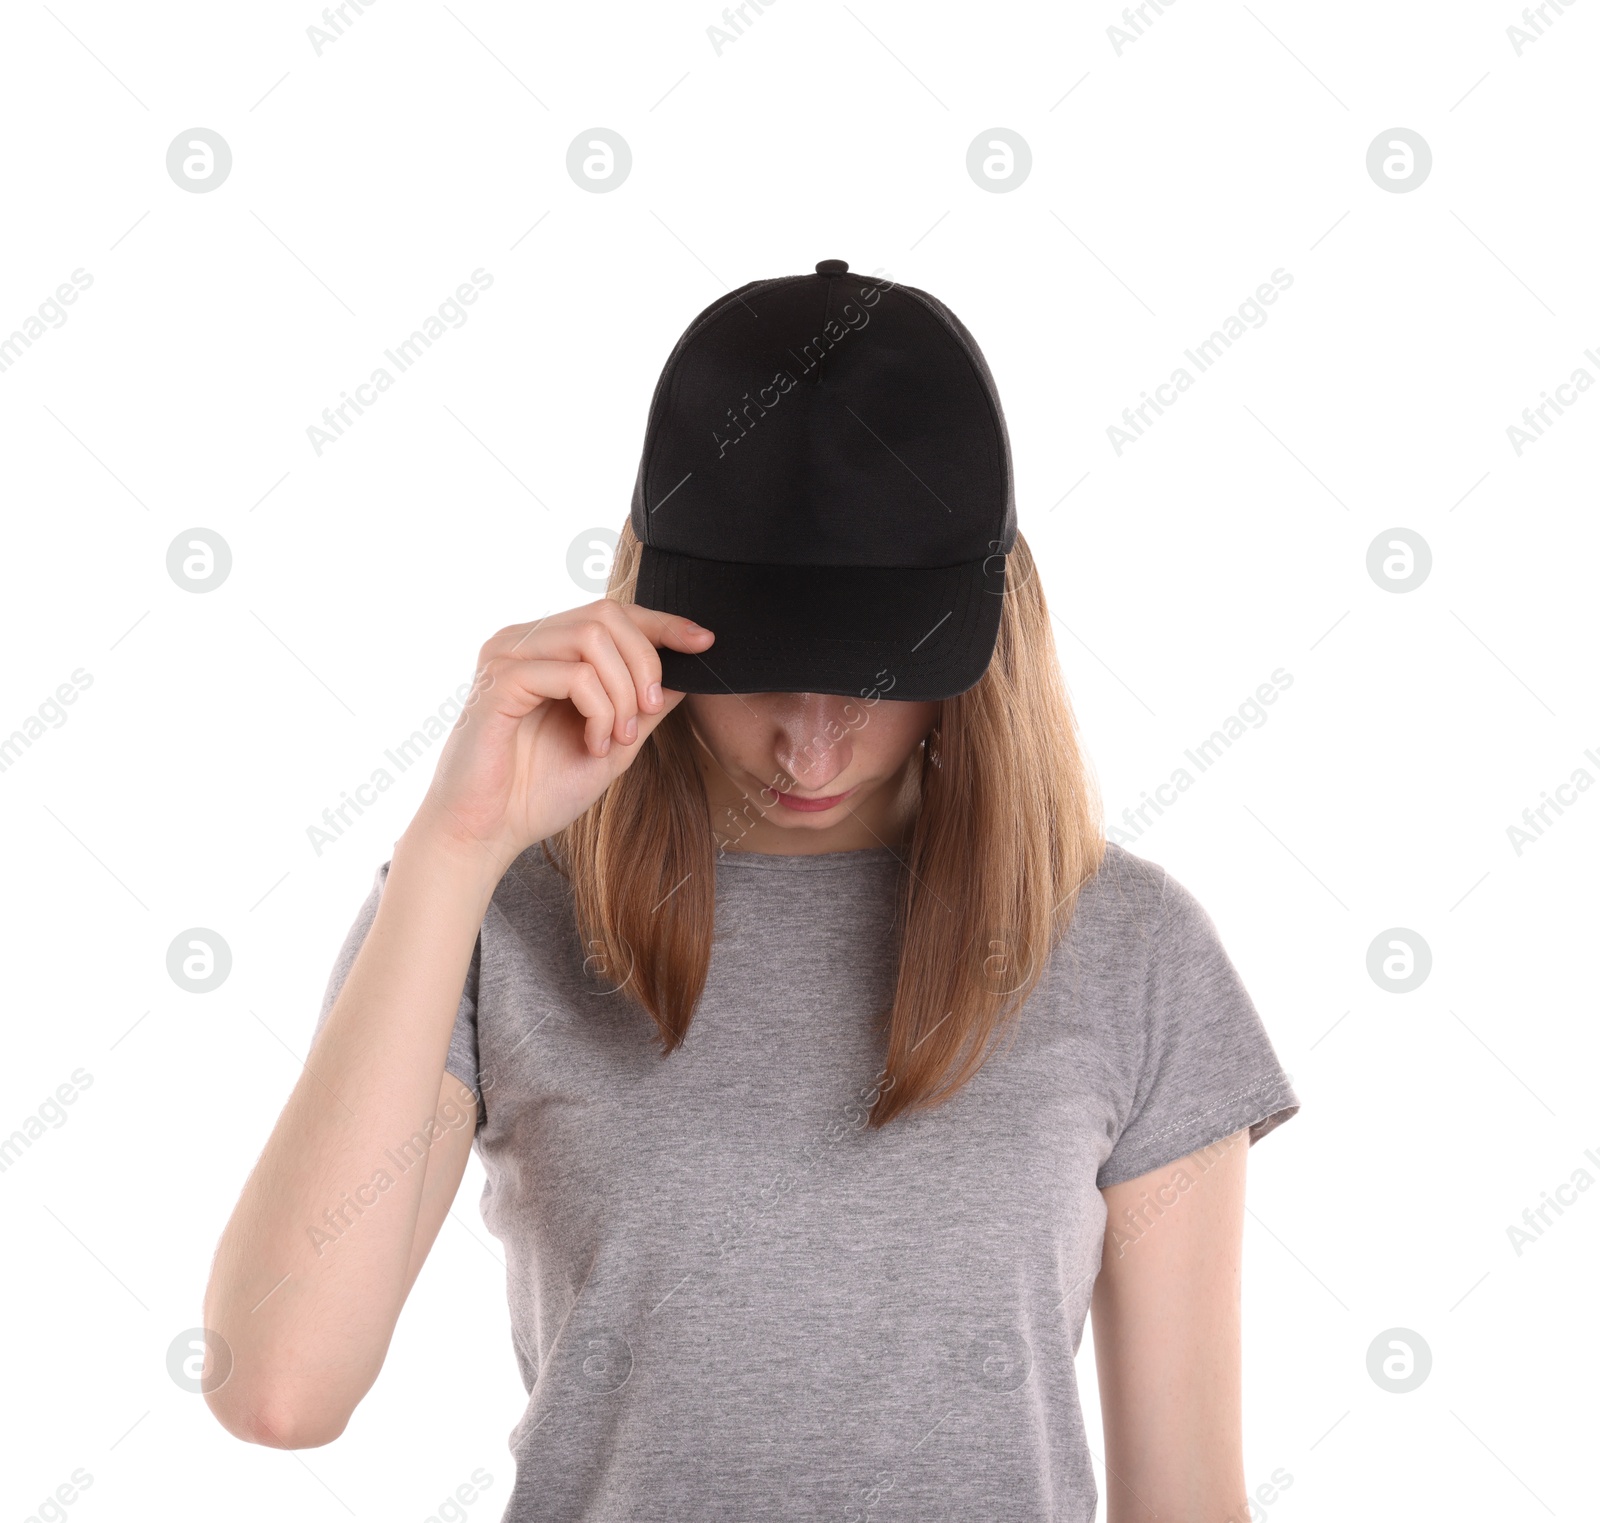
(858, 631)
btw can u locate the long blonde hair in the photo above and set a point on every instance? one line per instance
(1008, 829)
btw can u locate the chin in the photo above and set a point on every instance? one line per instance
(793, 819)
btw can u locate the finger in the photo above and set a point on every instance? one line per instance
(588, 695)
(594, 642)
(524, 642)
(636, 630)
(581, 634)
(670, 629)
(529, 682)
(636, 633)
(643, 663)
(532, 641)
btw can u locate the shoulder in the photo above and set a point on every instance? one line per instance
(1124, 903)
(1100, 966)
(1135, 930)
(1137, 905)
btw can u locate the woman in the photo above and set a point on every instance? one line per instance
(826, 1062)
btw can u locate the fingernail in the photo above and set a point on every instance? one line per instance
(652, 694)
(630, 729)
(695, 629)
(605, 745)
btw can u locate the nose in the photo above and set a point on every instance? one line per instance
(812, 739)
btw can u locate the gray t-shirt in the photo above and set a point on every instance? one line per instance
(732, 1300)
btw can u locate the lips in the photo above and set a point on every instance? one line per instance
(813, 805)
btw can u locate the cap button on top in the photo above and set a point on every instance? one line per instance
(832, 267)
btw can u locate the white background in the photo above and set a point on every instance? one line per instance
(1168, 181)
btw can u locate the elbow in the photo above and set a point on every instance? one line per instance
(269, 1419)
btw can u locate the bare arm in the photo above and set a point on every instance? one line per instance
(1166, 1337)
(446, 1164)
(317, 1260)
(343, 1206)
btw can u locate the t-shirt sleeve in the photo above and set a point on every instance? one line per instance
(462, 1060)
(1208, 1068)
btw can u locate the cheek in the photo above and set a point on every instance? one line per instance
(737, 731)
(887, 733)
(721, 721)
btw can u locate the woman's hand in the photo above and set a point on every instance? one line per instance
(560, 707)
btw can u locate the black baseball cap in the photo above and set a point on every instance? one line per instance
(826, 484)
